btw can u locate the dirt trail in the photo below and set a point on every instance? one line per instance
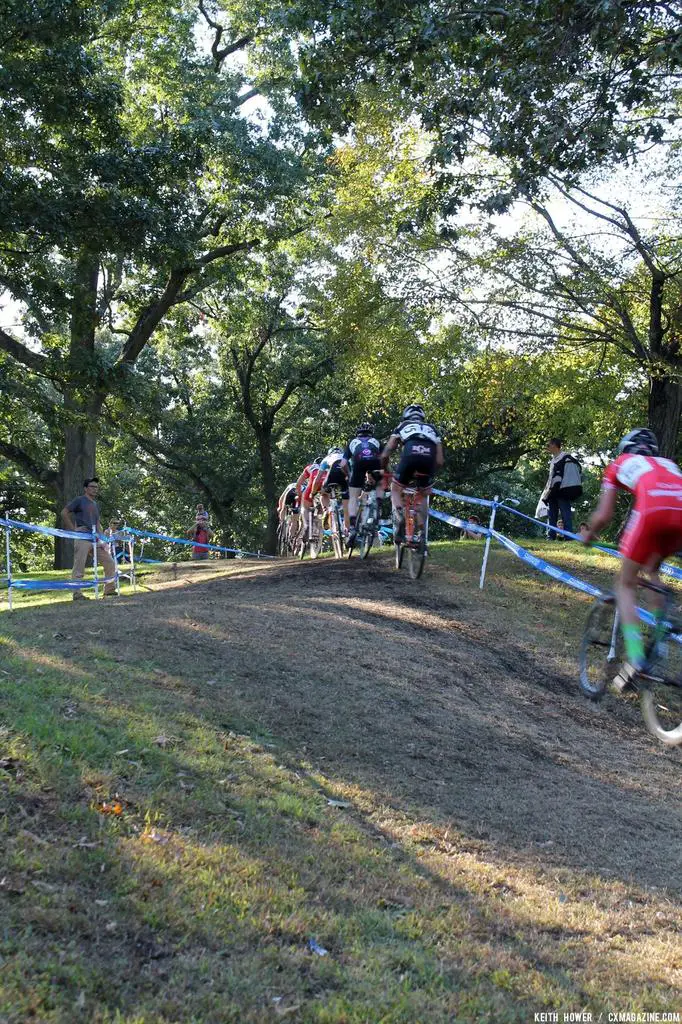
(421, 694)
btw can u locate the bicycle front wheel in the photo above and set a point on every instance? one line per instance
(601, 649)
(661, 697)
(367, 541)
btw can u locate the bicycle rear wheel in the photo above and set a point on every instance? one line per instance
(416, 558)
(368, 527)
(337, 542)
(601, 648)
(315, 545)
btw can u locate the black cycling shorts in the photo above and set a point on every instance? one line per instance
(361, 467)
(416, 470)
(336, 478)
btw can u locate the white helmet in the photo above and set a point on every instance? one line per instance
(640, 441)
(414, 412)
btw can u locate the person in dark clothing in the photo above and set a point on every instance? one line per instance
(564, 485)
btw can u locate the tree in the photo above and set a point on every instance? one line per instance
(273, 350)
(552, 88)
(124, 212)
(600, 281)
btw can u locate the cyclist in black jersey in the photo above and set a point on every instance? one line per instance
(361, 456)
(421, 456)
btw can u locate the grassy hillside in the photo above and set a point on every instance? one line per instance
(320, 792)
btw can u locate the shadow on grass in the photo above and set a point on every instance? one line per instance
(198, 899)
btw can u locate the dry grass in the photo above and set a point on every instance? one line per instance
(169, 846)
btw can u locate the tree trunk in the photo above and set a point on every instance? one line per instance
(665, 413)
(79, 464)
(83, 400)
(269, 489)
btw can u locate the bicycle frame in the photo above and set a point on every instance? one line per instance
(415, 501)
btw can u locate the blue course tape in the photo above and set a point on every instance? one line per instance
(464, 497)
(59, 584)
(461, 524)
(666, 567)
(48, 531)
(192, 543)
(550, 570)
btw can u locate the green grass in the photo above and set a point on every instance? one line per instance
(166, 858)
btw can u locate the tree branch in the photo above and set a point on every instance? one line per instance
(33, 360)
(50, 477)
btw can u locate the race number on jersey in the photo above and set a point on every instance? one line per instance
(417, 430)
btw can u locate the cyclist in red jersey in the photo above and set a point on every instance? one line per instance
(304, 484)
(654, 529)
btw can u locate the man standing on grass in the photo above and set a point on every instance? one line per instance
(564, 485)
(81, 515)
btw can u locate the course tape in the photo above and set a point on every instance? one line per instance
(192, 543)
(464, 497)
(461, 524)
(543, 566)
(16, 524)
(666, 568)
(59, 584)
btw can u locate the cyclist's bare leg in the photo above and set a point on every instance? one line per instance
(420, 509)
(354, 502)
(397, 497)
(626, 599)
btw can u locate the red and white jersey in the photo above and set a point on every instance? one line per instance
(310, 471)
(655, 482)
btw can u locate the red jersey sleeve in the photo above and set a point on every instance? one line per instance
(609, 481)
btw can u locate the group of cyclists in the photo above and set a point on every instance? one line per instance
(653, 532)
(363, 463)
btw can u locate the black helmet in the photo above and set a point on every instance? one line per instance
(640, 441)
(317, 460)
(414, 412)
(366, 429)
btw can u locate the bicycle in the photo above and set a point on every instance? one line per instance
(335, 517)
(660, 683)
(287, 532)
(311, 537)
(411, 534)
(367, 527)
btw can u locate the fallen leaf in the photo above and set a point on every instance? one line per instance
(110, 808)
(162, 741)
(83, 844)
(118, 753)
(111, 927)
(80, 1002)
(338, 803)
(102, 903)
